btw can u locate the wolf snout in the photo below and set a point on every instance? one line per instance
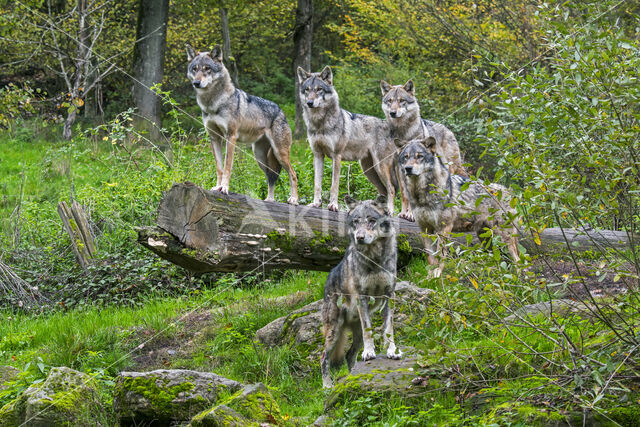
(196, 83)
(360, 237)
(310, 104)
(393, 113)
(408, 170)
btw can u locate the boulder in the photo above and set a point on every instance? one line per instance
(304, 325)
(167, 395)
(561, 307)
(378, 375)
(66, 398)
(253, 405)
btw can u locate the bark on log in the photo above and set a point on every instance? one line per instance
(206, 231)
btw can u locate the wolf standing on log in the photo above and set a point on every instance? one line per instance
(341, 135)
(230, 115)
(443, 202)
(363, 282)
(401, 108)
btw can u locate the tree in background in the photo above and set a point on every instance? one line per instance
(151, 36)
(226, 42)
(302, 37)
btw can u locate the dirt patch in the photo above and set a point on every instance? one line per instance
(577, 280)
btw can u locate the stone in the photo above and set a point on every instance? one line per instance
(66, 398)
(378, 375)
(253, 405)
(167, 395)
(561, 307)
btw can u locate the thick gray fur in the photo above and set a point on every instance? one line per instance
(402, 110)
(342, 135)
(230, 115)
(443, 203)
(362, 283)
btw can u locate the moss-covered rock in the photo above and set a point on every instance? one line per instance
(167, 395)
(380, 375)
(253, 405)
(66, 398)
(221, 416)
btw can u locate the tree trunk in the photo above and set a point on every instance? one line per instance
(151, 36)
(206, 231)
(226, 43)
(302, 36)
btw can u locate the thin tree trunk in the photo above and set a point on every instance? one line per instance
(226, 43)
(149, 63)
(302, 36)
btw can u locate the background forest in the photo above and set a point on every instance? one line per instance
(542, 97)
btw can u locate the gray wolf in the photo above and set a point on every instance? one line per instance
(363, 282)
(230, 115)
(341, 135)
(401, 108)
(443, 202)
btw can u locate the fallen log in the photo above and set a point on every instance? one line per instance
(205, 231)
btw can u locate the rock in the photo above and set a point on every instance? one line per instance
(166, 395)
(561, 307)
(321, 421)
(66, 398)
(7, 373)
(380, 375)
(253, 405)
(221, 416)
(304, 325)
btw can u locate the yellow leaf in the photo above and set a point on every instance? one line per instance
(473, 282)
(105, 138)
(536, 238)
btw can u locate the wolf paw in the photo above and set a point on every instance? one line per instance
(368, 354)
(333, 207)
(293, 201)
(407, 215)
(270, 199)
(435, 273)
(393, 353)
(327, 383)
(315, 205)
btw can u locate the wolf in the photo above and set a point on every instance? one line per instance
(443, 202)
(402, 111)
(342, 135)
(364, 281)
(230, 115)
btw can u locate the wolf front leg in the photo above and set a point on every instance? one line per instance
(318, 169)
(405, 211)
(216, 148)
(228, 162)
(335, 183)
(387, 328)
(369, 351)
(430, 242)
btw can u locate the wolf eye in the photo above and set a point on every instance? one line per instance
(419, 156)
(405, 158)
(206, 68)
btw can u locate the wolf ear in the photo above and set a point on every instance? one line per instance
(409, 87)
(351, 202)
(381, 203)
(386, 87)
(430, 144)
(191, 52)
(216, 53)
(327, 75)
(400, 143)
(302, 74)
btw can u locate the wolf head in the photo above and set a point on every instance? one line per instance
(316, 89)
(397, 101)
(205, 68)
(417, 156)
(368, 221)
